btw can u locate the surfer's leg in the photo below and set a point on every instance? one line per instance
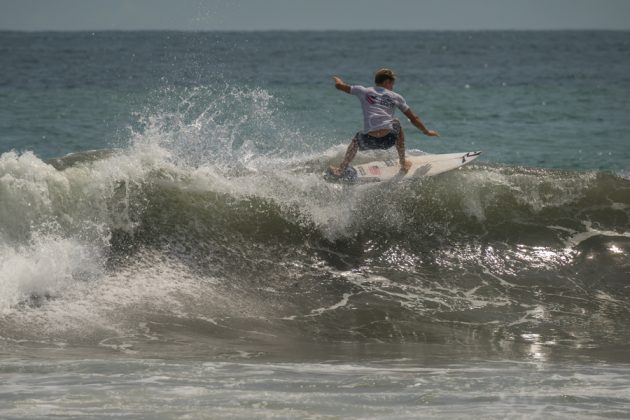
(400, 147)
(351, 152)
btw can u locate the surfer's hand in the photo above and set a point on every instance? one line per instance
(432, 133)
(341, 85)
(405, 166)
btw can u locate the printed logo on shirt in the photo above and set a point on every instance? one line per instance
(383, 100)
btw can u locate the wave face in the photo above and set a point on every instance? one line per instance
(201, 230)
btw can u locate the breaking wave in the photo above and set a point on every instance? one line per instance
(201, 227)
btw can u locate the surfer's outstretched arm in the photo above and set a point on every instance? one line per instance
(341, 85)
(415, 120)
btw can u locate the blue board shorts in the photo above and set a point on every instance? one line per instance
(367, 142)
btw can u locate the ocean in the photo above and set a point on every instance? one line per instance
(169, 248)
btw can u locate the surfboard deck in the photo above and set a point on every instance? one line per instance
(389, 169)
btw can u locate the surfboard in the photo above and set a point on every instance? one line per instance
(389, 169)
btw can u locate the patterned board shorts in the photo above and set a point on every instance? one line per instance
(367, 142)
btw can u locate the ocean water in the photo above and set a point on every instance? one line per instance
(169, 249)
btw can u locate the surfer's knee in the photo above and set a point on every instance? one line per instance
(400, 134)
(354, 145)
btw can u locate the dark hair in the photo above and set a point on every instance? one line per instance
(382, 78)
(382, 75)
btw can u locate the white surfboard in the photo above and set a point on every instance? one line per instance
(423, 165)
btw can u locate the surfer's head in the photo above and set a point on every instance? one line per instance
(383, 75)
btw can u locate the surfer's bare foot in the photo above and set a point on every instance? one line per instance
(404, 167)
(335, 171)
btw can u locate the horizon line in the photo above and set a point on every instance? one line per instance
(323, 30)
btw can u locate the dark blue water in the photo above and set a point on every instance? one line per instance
(168, 245)
(551, 99)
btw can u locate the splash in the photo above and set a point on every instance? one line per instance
(222, 126)
(45, 268)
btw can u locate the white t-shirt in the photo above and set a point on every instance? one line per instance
(378, 106)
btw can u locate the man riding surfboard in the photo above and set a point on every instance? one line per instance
(380, 129)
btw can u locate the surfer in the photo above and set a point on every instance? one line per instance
(380, 129)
